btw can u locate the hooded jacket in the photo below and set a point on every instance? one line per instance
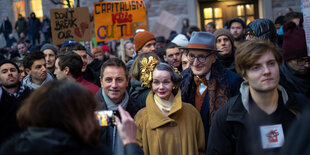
(229, 133)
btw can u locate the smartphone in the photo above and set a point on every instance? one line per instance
(106, 117)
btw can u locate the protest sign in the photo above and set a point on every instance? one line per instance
(306, 12)
(165, 24)
(70, 24)
(118, 19)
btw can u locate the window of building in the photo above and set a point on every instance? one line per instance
(36, 7)
(19, 8)
(66, 3)
(213, 15)
(246, 12)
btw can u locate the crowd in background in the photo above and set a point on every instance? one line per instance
(234, 90)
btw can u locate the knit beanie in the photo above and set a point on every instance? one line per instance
(264, 29)
(294, 42)
(49, 46)
(225, 32)
(142, 38)
(239, 20)
(180, 40)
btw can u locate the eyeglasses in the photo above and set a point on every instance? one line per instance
(201, 58)
(303, 61)
(250, 34)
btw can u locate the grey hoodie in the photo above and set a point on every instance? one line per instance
(245, 93)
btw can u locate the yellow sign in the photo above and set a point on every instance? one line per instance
(118, 19)
(70, 24)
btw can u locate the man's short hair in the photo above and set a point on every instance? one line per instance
(113, 62)
(73, 61)
(21, 42)
(193, 29)
(2, 62)
(291, 15)
(250, 51)
(169, 46)
(76, 47)
(211, 24)
(239, 20)
(33, 56)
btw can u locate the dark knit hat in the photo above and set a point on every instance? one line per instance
(294, 42)
(49, 46)
(239, 20)
(2, 62)
(263, 29)
(142, 38)
(225, 32)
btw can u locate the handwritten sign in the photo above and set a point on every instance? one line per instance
(118, 19)
(70, 24)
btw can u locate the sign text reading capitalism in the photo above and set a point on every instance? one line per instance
(118, 19)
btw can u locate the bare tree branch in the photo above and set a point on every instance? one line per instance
(56, 2)
(68, 3)
(78, 3)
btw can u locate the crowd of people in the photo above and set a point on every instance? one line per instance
(234, 90)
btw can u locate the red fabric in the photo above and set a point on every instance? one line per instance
(105, 48)
(92, 87)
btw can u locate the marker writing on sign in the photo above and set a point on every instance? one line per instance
(125, 29)
(118, 6)
(63, 22)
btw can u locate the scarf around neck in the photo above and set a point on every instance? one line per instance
(28, 81)
(164, 105)
(113, 106)
(300, 82)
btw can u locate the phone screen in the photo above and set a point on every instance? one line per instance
(105, 117)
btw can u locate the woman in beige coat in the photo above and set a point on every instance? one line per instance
(167, 125)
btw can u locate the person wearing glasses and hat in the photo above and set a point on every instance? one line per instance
(295, 70)
(206, 84)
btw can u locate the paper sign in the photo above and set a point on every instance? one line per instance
(165, 24)
(272, 136)
(118, 19)
(306, 13)
(70, 24)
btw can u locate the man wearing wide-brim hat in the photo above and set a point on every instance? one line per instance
(206, 84)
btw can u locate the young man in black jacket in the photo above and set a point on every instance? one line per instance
(256, 121)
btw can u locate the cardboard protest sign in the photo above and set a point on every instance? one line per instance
(70, 24)
(306, 13)
(165, 24)
(118, 19)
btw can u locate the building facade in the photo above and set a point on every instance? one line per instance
(199, 12)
